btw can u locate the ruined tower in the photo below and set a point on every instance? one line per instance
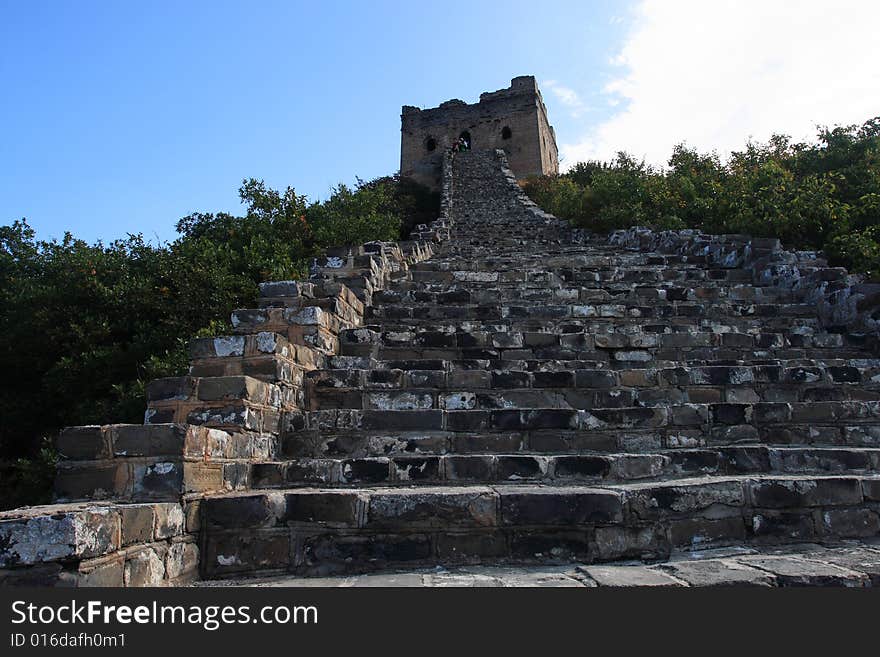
(513, 119)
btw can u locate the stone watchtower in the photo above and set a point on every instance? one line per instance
(513, 119)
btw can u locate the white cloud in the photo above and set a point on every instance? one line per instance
(567, 96)
(716, 73)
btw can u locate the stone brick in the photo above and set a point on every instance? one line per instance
(144, 568)
(719, 572)
(137, 523)
(65, 534)
(83, 443)
(181, 560)
(786, 493)
(341, 508)
(244, 552)
(103, 573)
(561, 506)
(425, 507)
(794, 571)
(655, 500)
(253, 510)
(630, 576)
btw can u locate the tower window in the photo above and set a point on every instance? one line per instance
(506, 132)
(430, 144)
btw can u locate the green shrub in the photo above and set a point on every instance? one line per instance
(821, 195)
(860, 248)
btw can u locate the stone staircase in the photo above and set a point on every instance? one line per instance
(534, 394)
(508, 389)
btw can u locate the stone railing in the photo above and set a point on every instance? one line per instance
(438, 230)
(562, 227)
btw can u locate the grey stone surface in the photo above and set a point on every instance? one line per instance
(629, 576)
(798, 571)
(719, 572)
(848, 565)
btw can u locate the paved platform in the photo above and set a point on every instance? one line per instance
(850, 564)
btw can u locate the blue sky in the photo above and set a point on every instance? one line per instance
(122, 117)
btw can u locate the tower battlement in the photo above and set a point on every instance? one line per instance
(513, 119)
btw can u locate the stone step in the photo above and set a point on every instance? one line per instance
(418, 295)
(349, 371)
(612, 358)
(491, 341)
(608, 325)
(851, 564)
(518, 273)
(619, 310)
(558, 261)
(591, 468)
(154, 461)
(544, 394)
(322, 530)
(599, 324)
(358, 443)
(685, 415)
(266, 356)
(360, 341)
(548, 430)
(562, 259)
(228, 402)
(768, 370)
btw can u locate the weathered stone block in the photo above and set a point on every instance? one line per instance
(787, 493)
(547, 545)
(425, 507)
(83, 443)
(719, 572)
(137, 523)
(181, 560)
(851, 523)
(252, 510)
(144, 568)
(403, 420)
(65, 534)
(169, 521)
(650, 542)
(252, 550)
(647, 501)
(335, 508)
(324, 553)
(559, 506)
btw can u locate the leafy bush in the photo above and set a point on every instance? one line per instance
(860, 248)
(84, 327)
(822, 195)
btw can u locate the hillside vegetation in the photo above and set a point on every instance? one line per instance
(84, 327)
(819, 195)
